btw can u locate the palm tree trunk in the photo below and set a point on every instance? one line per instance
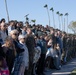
(34, 22)
(53, 19)
(67, 23)
(48, 16)
(59, 21)
(7, 10)
(64, 24)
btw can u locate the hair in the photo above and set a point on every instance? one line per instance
(1, 58)
(13, 31)
(8, 38)
(2, 20)
(21, 36)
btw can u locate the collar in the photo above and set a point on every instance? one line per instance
(22, 43)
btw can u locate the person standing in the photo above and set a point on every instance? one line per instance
(19, 50)
(3, 32)
(11, 27)
(25, 54)
(30, 43)
(9, 50)
(41, 63)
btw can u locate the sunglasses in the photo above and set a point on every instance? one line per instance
(23, 38)
(15, 34)
(4, 26)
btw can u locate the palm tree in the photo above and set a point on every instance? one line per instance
(34, 21)
(64, 24)
(7, 10)
(53, 16)
(61, 15)
(58, 19)
(46, 6)
(66, 14)
(27, 19)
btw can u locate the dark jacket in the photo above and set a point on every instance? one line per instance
(10, 57)
(30, 43)
(18, 47)
(43, 46)
(2, 53)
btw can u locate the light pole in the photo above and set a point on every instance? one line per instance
(7, 10)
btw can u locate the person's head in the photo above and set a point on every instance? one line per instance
(52, 31)
(56, 46)
(42, 36)
(11, 23)
(63, 34)
(46, 38)
(2, 20)
(3, 26)
(50, 42)
(59, 33)
(22, 38)
(14, 34)
(24, 28)
(36, 38)
(29, 31)
(55, 34)
(8, 42)
(18, 25)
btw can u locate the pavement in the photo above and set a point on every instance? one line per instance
(65, 69)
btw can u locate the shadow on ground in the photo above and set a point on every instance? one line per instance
(65, 70)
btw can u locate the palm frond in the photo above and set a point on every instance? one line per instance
(57, 12)
(45, 6)
(52, 9)
(66, 14)
(32, 20)
(61, 14)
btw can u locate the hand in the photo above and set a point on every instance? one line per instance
(4, 45)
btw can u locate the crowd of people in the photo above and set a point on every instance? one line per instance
(30, 49)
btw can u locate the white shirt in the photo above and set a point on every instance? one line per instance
(3, 36)
(10, 28)
(51, 53)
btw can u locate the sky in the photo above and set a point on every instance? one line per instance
(35, 8)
